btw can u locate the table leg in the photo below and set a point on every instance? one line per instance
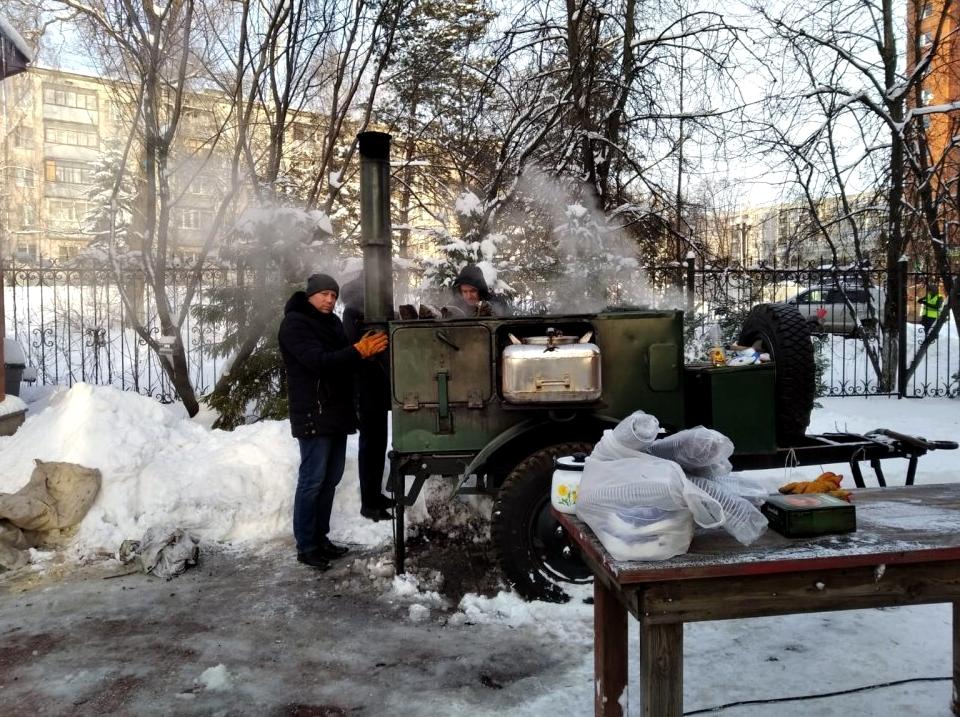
(661, 669)
(956, 658)
(610, 653)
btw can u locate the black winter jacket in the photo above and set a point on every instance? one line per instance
(373, 387)
(320, 366)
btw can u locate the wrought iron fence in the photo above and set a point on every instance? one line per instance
(74, 327)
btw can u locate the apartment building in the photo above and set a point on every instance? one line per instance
(57, 128)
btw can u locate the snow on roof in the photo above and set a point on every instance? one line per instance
(6, 29)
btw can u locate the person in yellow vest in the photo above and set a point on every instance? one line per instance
(930, 305)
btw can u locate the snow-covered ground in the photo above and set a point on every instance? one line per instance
(160, 468)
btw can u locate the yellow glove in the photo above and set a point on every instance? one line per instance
(371, 344)
(825, 483)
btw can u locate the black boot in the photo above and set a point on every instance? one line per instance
(331, 551)
(314, 559)
(376, 514)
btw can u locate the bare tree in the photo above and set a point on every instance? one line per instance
(840, 119)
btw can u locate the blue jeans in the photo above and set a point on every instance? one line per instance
(321, 468)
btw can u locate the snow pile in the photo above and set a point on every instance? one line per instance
(11, 404)
(161, 469)
(508, 608)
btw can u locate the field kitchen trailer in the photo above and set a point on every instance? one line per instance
(490, 402)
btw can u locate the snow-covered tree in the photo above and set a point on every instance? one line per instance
(474, 247)
(110, 217)
(274, 248)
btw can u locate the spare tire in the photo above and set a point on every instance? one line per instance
(785, 335)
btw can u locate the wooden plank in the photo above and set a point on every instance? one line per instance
(805, 591)
(956, 658)
(609, 653)
(661, 669)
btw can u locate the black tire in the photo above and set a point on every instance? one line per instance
(786, 337)
(534, 553)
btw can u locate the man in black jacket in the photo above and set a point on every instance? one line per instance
(320, 364)
(373, 399)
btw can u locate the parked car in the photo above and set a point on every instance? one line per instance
(15, 366)
(826, 311)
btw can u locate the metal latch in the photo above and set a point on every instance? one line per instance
(411, 402)
(473, 398)
(444, 419)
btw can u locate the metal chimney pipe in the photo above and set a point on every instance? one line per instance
(375, 232)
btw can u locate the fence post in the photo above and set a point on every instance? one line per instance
(902, 327)
(691, 277)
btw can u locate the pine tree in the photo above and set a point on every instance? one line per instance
(110, 211)
(274, 248)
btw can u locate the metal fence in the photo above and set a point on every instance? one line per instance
(74, 327)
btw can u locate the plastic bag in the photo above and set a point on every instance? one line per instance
(694, 448)
(637, 431)
(643, 507)
(742, 519)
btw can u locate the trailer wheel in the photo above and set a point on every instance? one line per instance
(786, 337)
(534, 552)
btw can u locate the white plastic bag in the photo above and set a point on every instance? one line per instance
(694, 448)
(643, 507)
(742, 518)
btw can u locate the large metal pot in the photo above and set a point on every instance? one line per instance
(552, 369)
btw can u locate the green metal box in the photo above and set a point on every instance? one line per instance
(800, 516)
(738, 401)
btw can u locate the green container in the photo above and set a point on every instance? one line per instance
(738, 401)
(802, 516)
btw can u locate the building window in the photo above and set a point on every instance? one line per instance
(66, 251)
(76, 99)
(194, 144)
(193, 218)
(302, 132)
(117, 112)
(61, 172)
(926, 10)
(27, 250)
(925, 39)
(28, 215)
(926, 97)
(202, 184)
(22, 177)
(66, 213)
(74, 135)
(23, 137)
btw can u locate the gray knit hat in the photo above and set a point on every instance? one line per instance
(321, 282)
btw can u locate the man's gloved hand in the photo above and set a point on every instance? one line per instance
(825, 483)
(371, 344)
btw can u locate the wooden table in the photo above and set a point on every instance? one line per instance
(906, 551)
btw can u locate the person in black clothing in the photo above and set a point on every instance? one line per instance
(472, 296)
(320, 364)
(373, 400)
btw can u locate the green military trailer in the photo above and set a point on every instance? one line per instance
(490, 402)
